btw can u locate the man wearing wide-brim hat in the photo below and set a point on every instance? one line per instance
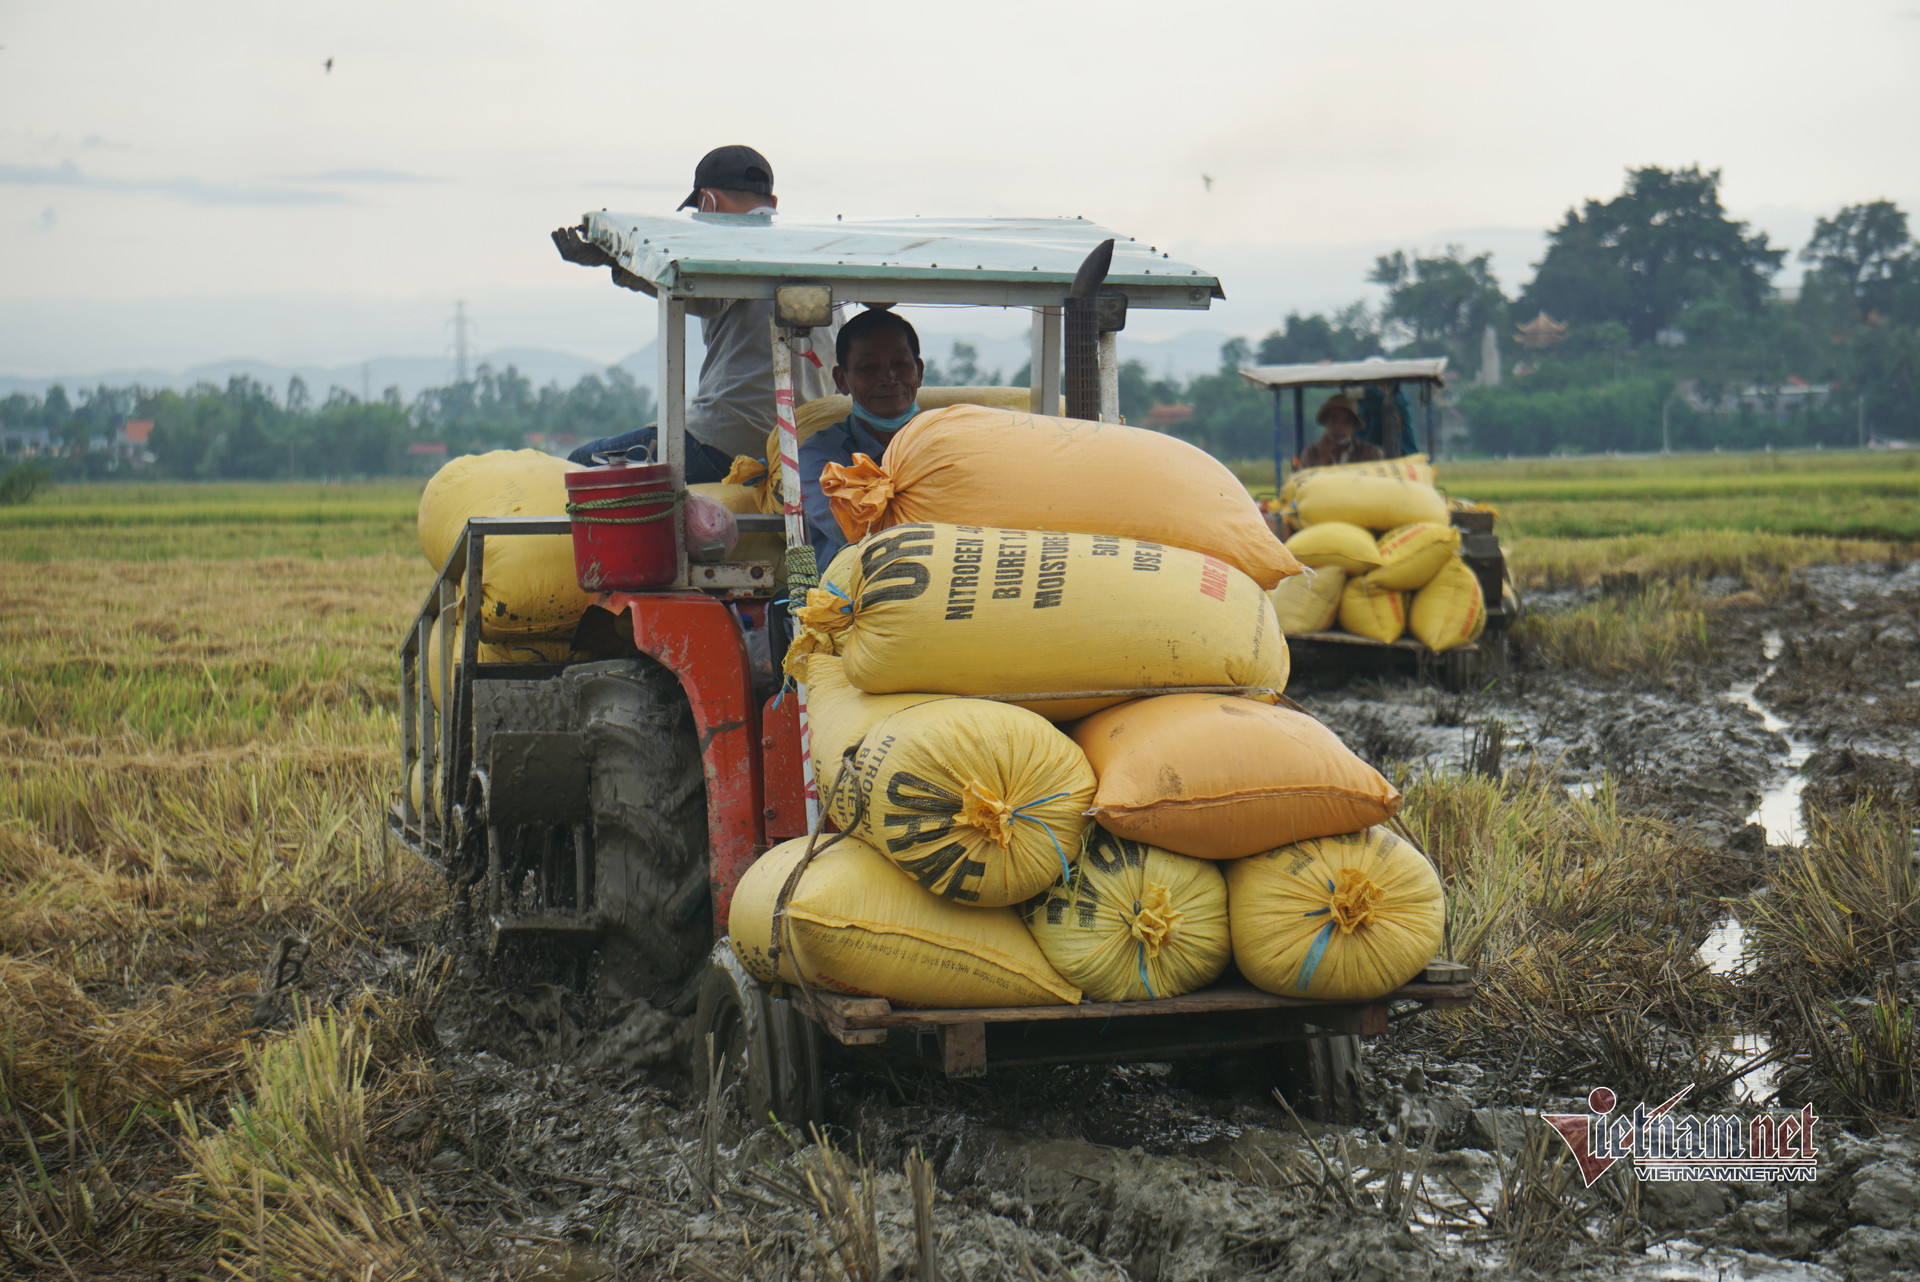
(1339, 441)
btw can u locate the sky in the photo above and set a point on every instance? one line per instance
(182, 183)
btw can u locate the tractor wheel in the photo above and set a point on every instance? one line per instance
(649, 806)
(1321, 1077)
(766, 1054)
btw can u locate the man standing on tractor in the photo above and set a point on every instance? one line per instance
(876, 363)
(1340, 442)
(732, 414)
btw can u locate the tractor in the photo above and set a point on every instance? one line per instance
(1379, 389)
(608, 806)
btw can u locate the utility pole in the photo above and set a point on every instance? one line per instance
(1860, 418)
(366, 382)
(460, 342)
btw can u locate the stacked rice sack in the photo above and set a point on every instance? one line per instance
(1384, 554)
(1064, 837)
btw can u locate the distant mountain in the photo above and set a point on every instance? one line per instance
(1181, 357)
(412, 374)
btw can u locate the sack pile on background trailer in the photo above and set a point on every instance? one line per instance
(1385, 561)
(1101, 836)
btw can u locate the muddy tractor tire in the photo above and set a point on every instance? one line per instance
(1321, 1077)
(766, 1055)
(649, 807)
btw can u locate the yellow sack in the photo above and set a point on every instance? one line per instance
(981, 803)
(859, 925)
(1133, 922)
(839, 716)
(1343, 918)
(1411, 555)
(734, 497)
(1450, 611)
(1217, 777)
(1338, 544)
(1371, 502)
(1309, 602)
(1025, 471)
(420, 791)
(1376, 613)
(490, 652)
(1411, 467)
(825, 411)
(528, 584)
(956, 609)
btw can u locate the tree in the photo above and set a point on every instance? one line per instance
(1444, 302)
(1644, 257)
(1867, 251)
(1350, 334)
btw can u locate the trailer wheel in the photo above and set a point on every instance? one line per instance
(766, 1053)
(1321, 1077)
(649, 805)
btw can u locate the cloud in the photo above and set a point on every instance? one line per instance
(47, 219)
(92, 141)
(192, 190)
(361, 176)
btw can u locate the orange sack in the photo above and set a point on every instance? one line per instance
(1219, 777)
(1005, 468)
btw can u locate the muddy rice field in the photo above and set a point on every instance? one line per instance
(1694, 866)
(566, 1123)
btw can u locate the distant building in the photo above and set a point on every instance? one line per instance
(1162, 417)
(1790, 397)
(25, 442)
(131, 442)
(428, 449)
(1542, 332)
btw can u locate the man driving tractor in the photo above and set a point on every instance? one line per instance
(1340, 441)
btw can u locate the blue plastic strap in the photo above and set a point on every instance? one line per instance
(1313, 956)
(848, 607)
(1066, 871)
(1142, 945)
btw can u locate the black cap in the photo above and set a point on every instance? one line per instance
(734, 168)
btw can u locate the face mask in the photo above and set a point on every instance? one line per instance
(878, 424)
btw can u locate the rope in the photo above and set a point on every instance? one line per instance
(802, 572)
(781, 926)
(1066, 871)
(574, 510)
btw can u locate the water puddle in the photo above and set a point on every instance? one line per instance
(1725, 953)
(1779, 809)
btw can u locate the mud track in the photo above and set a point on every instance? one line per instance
(567, 1126)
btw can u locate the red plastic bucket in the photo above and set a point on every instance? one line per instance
(623, 526)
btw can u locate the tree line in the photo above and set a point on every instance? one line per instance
(1662, 308)
(244, 430)
(1664, 311)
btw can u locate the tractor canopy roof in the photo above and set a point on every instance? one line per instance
(1374, 369)
(999, 262)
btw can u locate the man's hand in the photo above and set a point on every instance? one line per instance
(576, 248)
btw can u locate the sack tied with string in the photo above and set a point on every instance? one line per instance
(839, 716)
(962, 609)
(981, 803)
(1346, 918)
(856, 924)
(1032, 472)
(1133, 921)
(528, 585)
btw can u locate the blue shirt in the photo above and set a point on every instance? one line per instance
(836, 444)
